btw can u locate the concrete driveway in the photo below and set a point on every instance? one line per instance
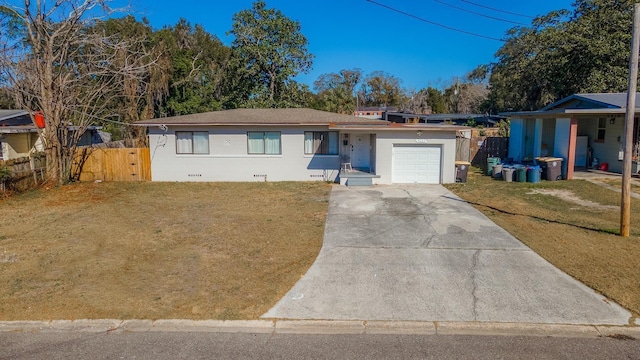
(418, 252)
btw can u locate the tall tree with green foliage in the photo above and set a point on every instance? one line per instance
(336, 92)
(436, 101)
(585, 49)
(199, 64)
(140, 97)
(269, 50)
(382, 89)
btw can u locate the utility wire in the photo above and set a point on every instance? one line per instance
(498, 10)
(434, 23)
(479, 14)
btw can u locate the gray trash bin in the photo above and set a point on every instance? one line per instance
(462, 169)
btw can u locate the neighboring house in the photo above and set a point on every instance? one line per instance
(298, 145)
(578, 128)
(452, 119)
(373, 112)
(19, 137)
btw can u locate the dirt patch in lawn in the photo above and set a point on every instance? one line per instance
(157, 250)
(573, 224)
(569, 196)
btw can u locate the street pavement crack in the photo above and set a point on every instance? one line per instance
(427, 241)
(474, 284)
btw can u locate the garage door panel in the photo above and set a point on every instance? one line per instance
(416, 164)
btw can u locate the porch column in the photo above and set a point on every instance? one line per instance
(561, 143)
(571, 152)
(516, 139)
(537, 139)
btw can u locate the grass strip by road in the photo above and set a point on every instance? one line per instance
(157, 250)
(573, 224)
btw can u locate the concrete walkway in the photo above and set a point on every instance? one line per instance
(595, 177)
(419, 253)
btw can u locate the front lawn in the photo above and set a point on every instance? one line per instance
(572, 224)
(157, 250)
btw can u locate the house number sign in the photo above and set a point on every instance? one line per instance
(421, 141)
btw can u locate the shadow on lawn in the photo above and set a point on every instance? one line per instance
(605, 231)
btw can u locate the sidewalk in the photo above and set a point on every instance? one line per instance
(594, 177)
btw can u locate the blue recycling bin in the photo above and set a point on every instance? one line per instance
(534, 173)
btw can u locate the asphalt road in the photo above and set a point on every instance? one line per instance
(184, 345)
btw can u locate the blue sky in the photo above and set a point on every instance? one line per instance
(349, 34)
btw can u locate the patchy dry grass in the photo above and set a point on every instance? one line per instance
(579, 238)
(157, 250)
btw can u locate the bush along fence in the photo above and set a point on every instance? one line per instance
(22, 173)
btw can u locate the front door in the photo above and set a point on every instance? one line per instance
(360, 152)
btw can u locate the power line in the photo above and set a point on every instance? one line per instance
(479, 14)
(498, 10)
(434, 23)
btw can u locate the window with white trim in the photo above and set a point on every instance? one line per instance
(192, 142)
(321, 142)
(602, 128)
(264, 142)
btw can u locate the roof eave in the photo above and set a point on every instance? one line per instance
(249, 124)
(568, 112)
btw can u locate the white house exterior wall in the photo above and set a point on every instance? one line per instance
(17, 145)
(228, 159)
(384, 151)
(608, 150)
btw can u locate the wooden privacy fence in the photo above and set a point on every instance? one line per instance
(128, 164)
(26, 172)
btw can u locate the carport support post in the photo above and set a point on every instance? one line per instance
(571, 152)
(625, 206)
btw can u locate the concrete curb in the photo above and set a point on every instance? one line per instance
(323, 327)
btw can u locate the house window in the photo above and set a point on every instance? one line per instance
(192, 142)
(602, 124)
(321, 142)
(264, 142)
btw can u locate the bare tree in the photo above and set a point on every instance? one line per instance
(417, 102)
(466, 97)
(54, 65)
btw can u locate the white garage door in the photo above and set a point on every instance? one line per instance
(416, 164)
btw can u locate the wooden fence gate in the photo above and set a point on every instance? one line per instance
(128, 164)
(484, 147)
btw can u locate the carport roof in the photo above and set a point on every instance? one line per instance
(582, 104)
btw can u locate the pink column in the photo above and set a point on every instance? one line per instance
(571, 157)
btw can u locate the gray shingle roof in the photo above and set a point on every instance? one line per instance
(291, 116)
(615, 99)
(602, 100)
(7, 114)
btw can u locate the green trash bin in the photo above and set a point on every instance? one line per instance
(521, 174)
(491, 161)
